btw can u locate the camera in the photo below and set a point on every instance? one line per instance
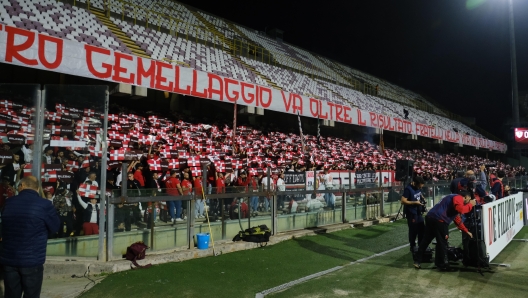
(423, 206)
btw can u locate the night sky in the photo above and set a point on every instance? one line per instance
(453, 51)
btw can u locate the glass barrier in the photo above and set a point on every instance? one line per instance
(71, 167)
(151, 222)
(392, 199)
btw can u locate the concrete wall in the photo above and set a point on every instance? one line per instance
(175, 238)
(166, 237)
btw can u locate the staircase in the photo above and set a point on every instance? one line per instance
(339, 96)
(352, 84)
(100, 14)
(228, 46)
(225, 44)
(264, 77)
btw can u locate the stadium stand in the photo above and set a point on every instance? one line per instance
(60, 20)
(333, 81)
(196, 55)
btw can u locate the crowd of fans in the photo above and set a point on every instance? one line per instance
(167, 156)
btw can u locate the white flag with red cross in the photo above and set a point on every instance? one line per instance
(86, 162)
(193, 161)
(87, 190)
(49, 176)
(117, 154)
(154, 164)
(72, 165)
(196, 171)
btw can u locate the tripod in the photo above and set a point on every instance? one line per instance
(481, 260)
(406, 182)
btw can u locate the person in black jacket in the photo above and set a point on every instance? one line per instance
(156, 184)
(27, 219)
(14, 169)
(133, 190)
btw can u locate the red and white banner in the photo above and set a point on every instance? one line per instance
(31, 49)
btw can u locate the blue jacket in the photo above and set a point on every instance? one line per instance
(412, 195)
(448, 208)
(26, 222)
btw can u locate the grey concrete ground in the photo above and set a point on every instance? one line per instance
(67, 288)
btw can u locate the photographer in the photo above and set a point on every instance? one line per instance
(437, 226)
(455, 187)
(413, 209)
(497, 188)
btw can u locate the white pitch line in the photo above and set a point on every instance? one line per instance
(318, 274)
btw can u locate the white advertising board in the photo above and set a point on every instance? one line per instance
(501, 221)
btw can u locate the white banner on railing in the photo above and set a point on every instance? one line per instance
(31, 49)
(501, 221)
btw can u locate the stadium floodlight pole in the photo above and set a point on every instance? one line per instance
(515, 93)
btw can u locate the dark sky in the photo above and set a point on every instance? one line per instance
(448, 50)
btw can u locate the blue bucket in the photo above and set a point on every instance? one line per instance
(202, 240)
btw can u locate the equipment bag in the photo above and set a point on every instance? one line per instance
(427, 256)
(455, 254)
(136, 252)
(259, 234)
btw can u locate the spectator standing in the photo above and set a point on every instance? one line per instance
(156, 183)
(27, 150)
(27, 221)
(198, 203)
(329, 185)
(138, 175)
(133, 189)
(92, 176)
(14, 169)
(174, 189)
(47, 158)
(254, 187)
(90, 215)
(267, 184)
(60, 158)
(63, 204)
(281, 186)
(186, 184)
